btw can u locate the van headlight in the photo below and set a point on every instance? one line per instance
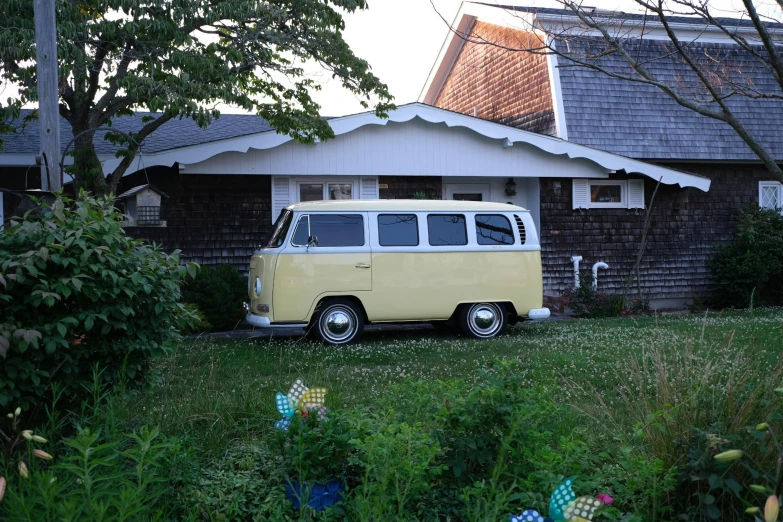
(258, 286)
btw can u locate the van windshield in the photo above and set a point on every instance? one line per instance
(281, 230)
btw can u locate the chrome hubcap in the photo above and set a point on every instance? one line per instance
(485, 319)
(338, 323)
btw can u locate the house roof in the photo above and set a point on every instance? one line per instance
(136, 190)
(622, 17)
(172, 134)
(185, 143)
(505, 135)
(641, 121)
(630, 118)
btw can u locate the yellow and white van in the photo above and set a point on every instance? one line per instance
(334, 266)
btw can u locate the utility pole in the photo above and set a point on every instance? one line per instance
(48, 95)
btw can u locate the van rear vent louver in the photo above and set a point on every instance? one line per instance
(521, 227)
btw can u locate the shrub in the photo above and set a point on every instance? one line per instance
(749, 270)
(199, 322)
(219, 293)
(587, 301)
(77, 292)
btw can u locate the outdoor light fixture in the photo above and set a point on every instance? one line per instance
(511, 187)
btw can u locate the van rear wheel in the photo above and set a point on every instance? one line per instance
(483, 320)
(338, 321)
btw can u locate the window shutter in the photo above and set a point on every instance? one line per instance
(369, 188)
(581, 193)
(770, 195)
(635, 193)
(281, 195)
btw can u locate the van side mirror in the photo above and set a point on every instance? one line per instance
(312, 241)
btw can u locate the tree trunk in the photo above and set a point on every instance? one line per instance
(87, 170)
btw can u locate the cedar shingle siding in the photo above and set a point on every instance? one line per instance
(406, 187)
(213, 219)
(491, 80)
(686, 224)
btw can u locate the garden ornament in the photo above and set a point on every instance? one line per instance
(302, 400)
(565, 506)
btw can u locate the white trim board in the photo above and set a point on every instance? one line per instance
(504, 135)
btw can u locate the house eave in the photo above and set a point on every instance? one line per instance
(503, 134)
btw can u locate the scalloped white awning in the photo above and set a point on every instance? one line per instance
(507, 137)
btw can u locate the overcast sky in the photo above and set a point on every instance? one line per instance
(402, 38)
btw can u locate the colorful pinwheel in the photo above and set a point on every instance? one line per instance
(300, 399)
(565, 506)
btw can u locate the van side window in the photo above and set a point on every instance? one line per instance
(493, 229)
(330, 230)
(398, 230)
(447, 229)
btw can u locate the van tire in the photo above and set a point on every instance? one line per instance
(483, 320)
(337, 321)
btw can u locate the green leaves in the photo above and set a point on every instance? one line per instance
(179, 59)
(68, 302)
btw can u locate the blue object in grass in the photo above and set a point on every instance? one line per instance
(529, 515)
(319, 495)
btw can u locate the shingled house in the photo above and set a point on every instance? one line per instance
(214, 193)
(547, 94)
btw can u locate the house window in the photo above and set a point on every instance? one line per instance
(329, 230)
(771, 195)
(605, 193)
(398, 230)
(493, 229)
(325, 191)
(447, 229)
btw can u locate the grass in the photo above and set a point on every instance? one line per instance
(221, 391)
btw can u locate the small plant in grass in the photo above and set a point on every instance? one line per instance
(76, 291)
(765, 470)
(587, 301)
(395, 465)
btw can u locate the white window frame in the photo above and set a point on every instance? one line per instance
(625, 193)
(623, 203)
(775, 184)
(325, 183)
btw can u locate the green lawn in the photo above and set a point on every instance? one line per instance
(223, 390)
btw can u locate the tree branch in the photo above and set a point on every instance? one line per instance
(133, 148)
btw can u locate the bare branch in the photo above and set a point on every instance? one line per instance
(133, 148)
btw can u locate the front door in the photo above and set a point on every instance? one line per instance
(467, 191)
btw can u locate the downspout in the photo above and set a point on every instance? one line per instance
(575, 260)
(596, 266)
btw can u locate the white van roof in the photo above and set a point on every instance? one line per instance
(410, 205)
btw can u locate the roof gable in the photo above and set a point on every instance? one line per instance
(624, 117)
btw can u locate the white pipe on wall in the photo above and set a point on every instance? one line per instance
(596, 266)
(575, 260)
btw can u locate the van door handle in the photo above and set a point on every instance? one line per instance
(362, 266)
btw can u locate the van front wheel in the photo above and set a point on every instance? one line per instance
(339, 321)
(483, 320)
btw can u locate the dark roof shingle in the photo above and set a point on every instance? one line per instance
(641, 121)
(172, 134)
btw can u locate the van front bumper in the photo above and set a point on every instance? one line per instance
(538, 313)
(263, 322)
